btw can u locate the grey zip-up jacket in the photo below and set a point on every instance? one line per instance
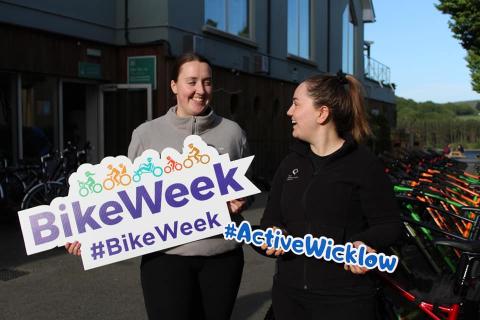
(170, 131)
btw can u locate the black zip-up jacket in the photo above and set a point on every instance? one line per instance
(346, 197)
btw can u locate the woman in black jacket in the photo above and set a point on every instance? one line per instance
(332, 186)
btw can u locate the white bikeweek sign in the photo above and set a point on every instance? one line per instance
(119, 210)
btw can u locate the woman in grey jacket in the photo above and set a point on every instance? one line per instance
(199, 279)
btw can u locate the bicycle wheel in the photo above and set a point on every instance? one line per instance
(188, 163)
(83, 191)
(125, 179)
(108, 184)
(13, 187)
(205, 159)
(43, 193)
(157, 171)
(136, 176)
(97, 187)
(168, 169)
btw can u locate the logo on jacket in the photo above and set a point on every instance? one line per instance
(293, 175)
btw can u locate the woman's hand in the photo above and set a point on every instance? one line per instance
(270, 251)
(236, 206)
(357, 269)
(73, 248)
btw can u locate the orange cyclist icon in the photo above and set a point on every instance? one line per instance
(117, 177)
(194, 154)
(172, 165)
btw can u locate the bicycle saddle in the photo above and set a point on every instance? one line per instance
(471, 246)
(440, 291)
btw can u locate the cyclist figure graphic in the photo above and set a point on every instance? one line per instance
(90, 181)
(114, 173)
(89, 186)
(146, 167)
(171, 162)
(194, 152)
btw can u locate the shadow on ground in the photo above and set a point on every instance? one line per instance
(250, 304)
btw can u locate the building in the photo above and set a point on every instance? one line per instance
(94, 70)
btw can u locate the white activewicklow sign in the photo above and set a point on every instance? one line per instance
(118, 209)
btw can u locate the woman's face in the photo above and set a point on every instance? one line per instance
(304, 115)
(193, 88)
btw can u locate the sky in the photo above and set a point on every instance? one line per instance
(426, 62)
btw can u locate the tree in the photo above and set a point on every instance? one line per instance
(465, 24)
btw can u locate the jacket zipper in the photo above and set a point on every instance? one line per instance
(309, 226)
(194, 125)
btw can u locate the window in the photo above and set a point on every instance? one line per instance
(299, 28)
(6, 125)
(39, 108)
(228, 15)
(348, 41)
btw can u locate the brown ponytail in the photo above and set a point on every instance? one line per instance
(343, 95)
(361, 128)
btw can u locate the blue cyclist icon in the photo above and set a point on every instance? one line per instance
(147, 167)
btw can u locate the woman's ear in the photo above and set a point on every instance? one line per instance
(323, 115)
(173, 85)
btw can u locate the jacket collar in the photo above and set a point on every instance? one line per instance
(303, 148)
(193, 125)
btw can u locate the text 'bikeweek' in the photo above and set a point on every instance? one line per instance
(106, 202)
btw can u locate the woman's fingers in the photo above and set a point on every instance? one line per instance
(274, 251)
(235, 206)
(355, 269)
(270, 251)
(73, 248)
(77, 249)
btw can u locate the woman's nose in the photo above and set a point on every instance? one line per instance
(290, 111)
(199, 88)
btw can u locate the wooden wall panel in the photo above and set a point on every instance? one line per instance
(29, 50)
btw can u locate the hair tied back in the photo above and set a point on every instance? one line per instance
(342, 77)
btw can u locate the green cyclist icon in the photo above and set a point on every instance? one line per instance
(147, 167)
(89, 186)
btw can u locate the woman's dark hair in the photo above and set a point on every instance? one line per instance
(184, 58)
(343, 95)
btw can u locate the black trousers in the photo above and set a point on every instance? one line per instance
(179, 287)
(292, 303)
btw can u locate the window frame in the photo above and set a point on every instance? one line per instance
(214, 30)
(352, 24)
(296, 55)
